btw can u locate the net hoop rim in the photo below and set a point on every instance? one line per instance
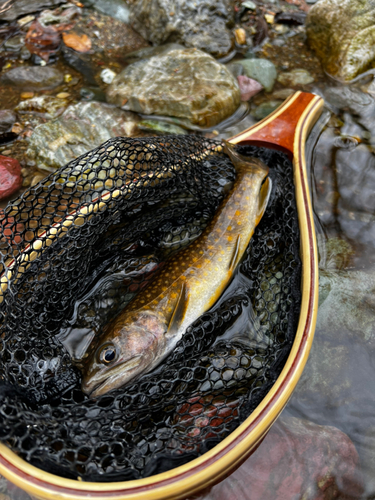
(219, 462)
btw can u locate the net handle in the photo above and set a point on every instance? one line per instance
(279, 130)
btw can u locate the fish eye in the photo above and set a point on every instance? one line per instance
(107, 354)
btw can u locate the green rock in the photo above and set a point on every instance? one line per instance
(342, 32)
(295, 77)
(81, 127)
(159, 127)
(114, 8)
(183, 83)
(265, 109)
(261, 70)
(33, 77)
(47, 106)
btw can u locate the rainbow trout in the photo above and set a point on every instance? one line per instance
(140, 337)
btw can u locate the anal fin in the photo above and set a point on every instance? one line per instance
(179, 310)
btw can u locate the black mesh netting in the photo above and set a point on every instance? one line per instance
(77, 248)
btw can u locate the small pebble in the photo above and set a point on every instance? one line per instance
(36, 179)
(25, 20)
(249, 5)
(63, 95)
(270, 18)
(107, 75)
(17, 128)
(27, 95)
(67, 78)
(240, 35)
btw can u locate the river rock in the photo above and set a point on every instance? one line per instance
(23, 7)
(33, 77)
(202, 24)
(261, 70)
(295, 77)
(182, 83)
(266, 108)
(297, 460)
(342, 32)
(47, 106)
(7, 119)
(114, 8)
(248, 87)
(10, 176)
(351, 295)
(81, 127)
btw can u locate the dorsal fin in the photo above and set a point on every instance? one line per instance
(179, 310)
(234, 260)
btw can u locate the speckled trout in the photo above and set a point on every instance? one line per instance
(140, 337)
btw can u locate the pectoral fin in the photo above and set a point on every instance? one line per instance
(179, 310)
(264, 196)
(236, 255)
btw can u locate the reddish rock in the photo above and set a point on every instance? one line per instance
(297, 459)
(10, 176)
(248, 87)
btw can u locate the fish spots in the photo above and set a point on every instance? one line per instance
(229, 228)
(230, 238)
(237, 213)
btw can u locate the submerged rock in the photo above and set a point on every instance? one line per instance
(82, 127)
(33, 77)
(183, 83)
(351, 295)
(23, 7)
(342, 33)
(10, 176)
(114, 8)
(48, 106)
(261, 70)
(297, 459)
(248, 87)
(266, 108)
(295, 77)
(202, 24)
(7, 119)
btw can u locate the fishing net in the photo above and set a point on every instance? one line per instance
(75, 250)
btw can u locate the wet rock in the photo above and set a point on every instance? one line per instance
(235, 68)
(335, 253)
(10, 176)
(23, 7)
(47, 106)
(265, 109)
(342, 32)
(33, 77)
(297, 459)
(159, 127)
(82, 63)
(295, 77)
(92, 94)
(261, 70)
(7, 119)
(353, 100)
(181, 83)
(248, 87)
(202, 24)
(283, 93)
(107, 75)
(81, 127)
(351, 295)
(15, 43)
(114, 8)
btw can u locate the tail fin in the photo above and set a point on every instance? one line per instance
(240, 161)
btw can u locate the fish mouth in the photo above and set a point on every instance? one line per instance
(112, 379)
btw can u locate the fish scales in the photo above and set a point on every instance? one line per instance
(191, 282)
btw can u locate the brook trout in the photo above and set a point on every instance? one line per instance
(140, 337)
